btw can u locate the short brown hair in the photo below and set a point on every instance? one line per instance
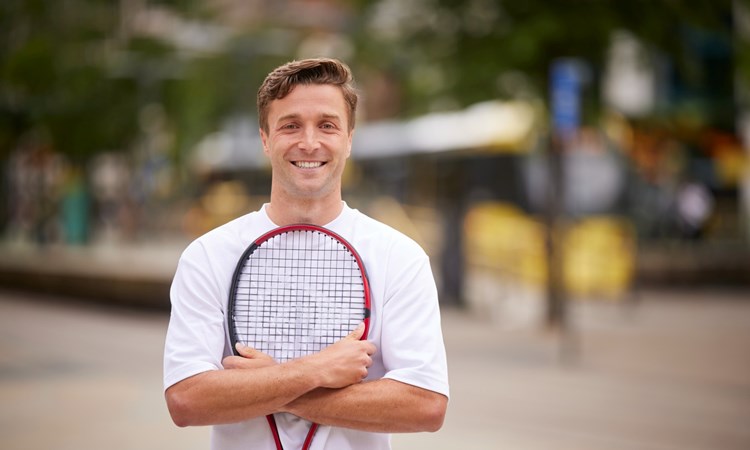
(279, 83)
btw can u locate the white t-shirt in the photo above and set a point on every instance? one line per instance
(404, 323)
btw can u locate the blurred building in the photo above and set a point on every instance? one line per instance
(651, 187)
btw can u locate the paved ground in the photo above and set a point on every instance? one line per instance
(673, 373)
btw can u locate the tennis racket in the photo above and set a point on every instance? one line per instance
(296, 290)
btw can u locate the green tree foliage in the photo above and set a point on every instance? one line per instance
(457, 52)
(56, 80)
(73, 72)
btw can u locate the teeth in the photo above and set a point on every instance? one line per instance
(308, 164)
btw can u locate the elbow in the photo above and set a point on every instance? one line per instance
(434, 413)
(180, 408)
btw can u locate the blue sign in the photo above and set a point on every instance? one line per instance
(567, 77)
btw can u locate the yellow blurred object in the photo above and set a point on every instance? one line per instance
(225, 200)
(222, 202)
(501, 237)
(598, 252)
(598, 257)
(731, 164)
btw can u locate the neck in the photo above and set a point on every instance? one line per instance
(312, 211)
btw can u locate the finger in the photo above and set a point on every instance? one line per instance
(240, 362)
(246, 351)
(232, 362)
(242, 349)
(357, 333)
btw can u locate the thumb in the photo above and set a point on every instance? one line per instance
(357, 333)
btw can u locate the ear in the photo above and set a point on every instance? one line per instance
(264, 140)
(349, 144)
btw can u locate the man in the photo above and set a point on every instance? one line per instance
(358, 391)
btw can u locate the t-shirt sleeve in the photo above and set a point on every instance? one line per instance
(412, 341)
(195, 336)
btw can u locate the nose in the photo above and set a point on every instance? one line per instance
(309, 140)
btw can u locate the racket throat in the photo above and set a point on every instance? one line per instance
(310, 435)
(277, 440)
(274, 431)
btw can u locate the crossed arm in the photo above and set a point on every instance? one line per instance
(325, 388)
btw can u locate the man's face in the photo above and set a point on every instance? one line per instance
(308, 141)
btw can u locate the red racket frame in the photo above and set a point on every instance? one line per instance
(366, 318)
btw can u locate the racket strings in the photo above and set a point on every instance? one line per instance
(297, 293)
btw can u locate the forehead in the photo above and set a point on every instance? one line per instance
(309, 100)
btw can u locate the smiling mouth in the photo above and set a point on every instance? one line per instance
(308, 164)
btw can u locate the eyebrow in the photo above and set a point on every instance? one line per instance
(295, 116)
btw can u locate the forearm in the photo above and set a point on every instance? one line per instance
(228, 396)
(385, 406)
(254, 385)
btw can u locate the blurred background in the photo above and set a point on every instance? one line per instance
(578, 171)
